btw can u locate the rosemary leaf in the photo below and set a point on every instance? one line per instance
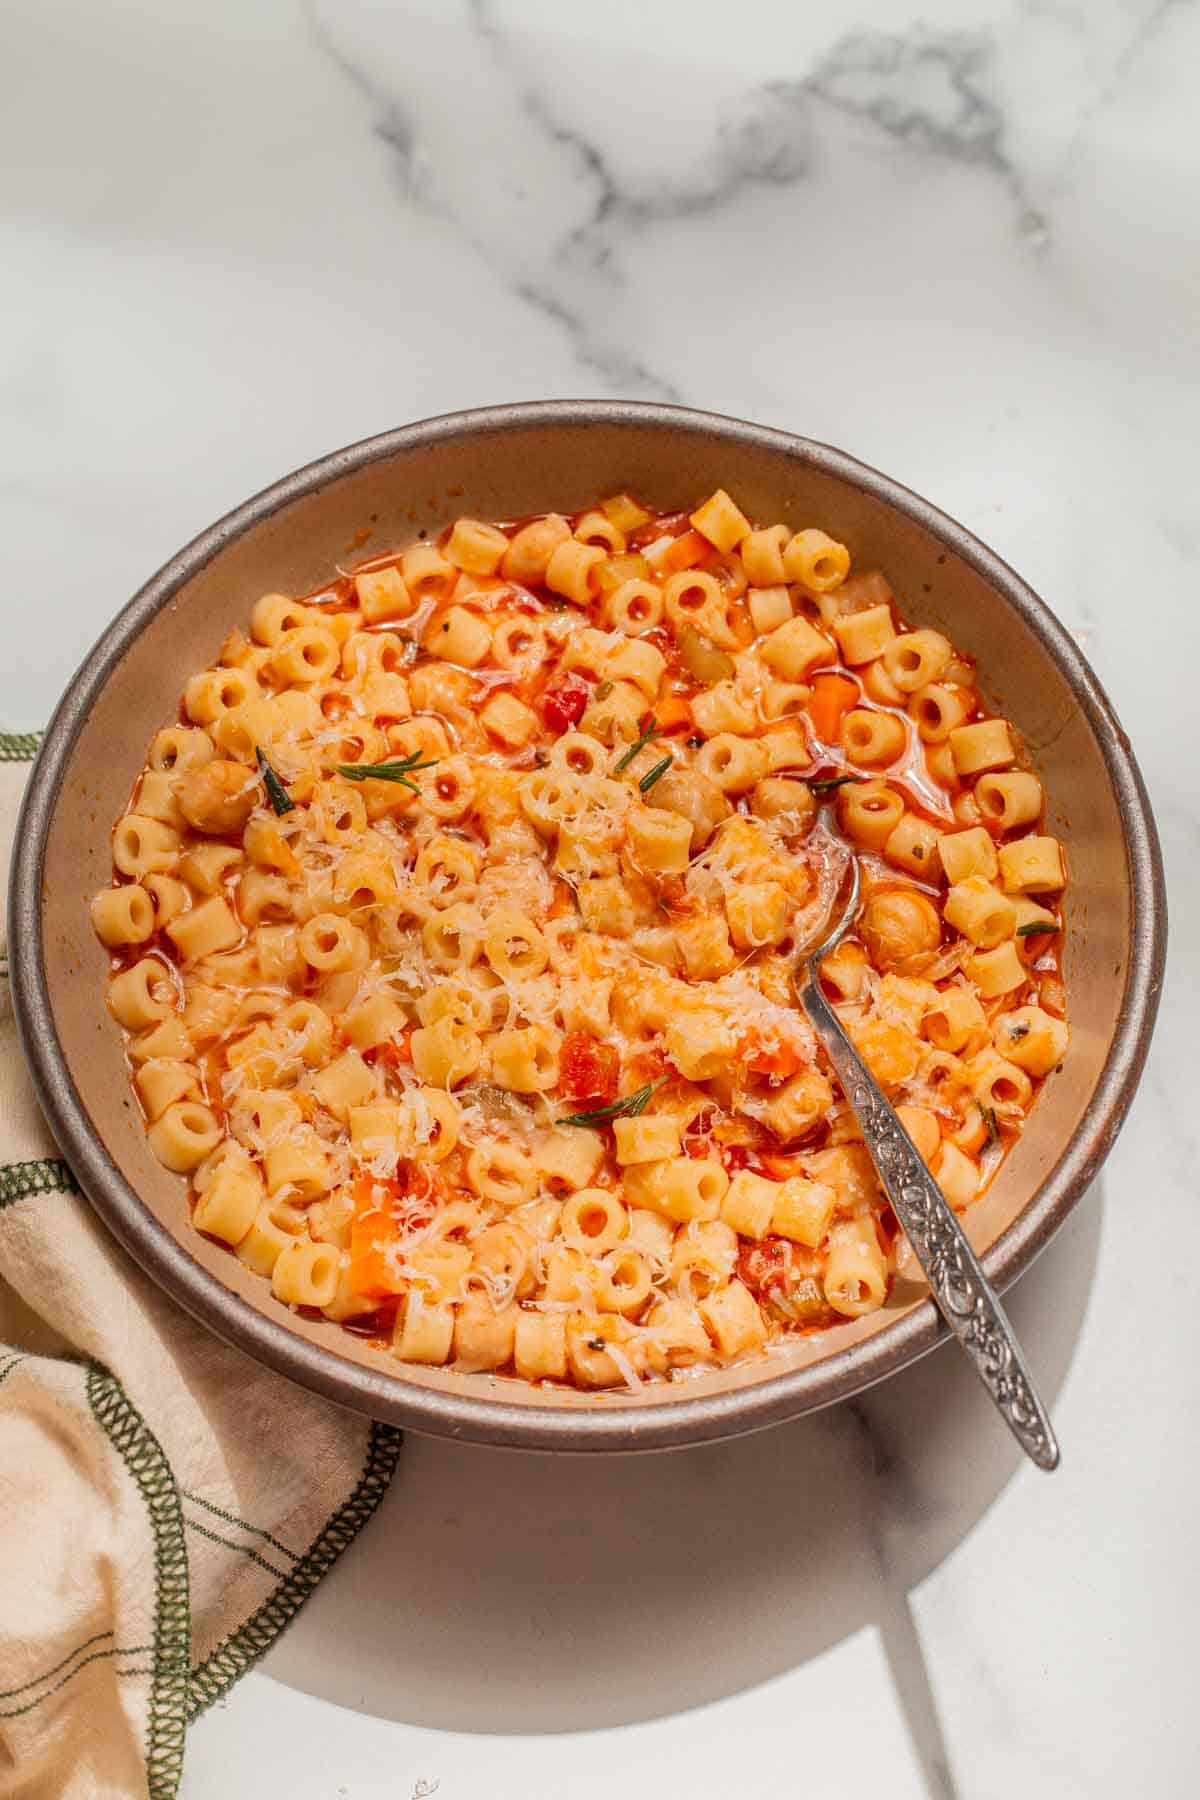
(277, 794)
(1037, 928)
(631, 1107)
(401, 770)
(649, 730)
(655, 774)
(989, 1119)
(831, 782)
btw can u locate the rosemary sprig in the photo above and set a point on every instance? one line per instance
(830, 782)
(655, 774)
(277, 794)
(631, 1107)
(649, 730)
(401, 770)
(1037, 928)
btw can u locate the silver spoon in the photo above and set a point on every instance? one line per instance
(963, 1293)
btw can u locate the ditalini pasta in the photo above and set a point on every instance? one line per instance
(452, 930)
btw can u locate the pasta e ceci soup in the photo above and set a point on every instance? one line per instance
(453, 927)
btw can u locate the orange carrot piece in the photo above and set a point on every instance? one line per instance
(777, 1061)
(686, 552)
(672, 713)
(373, 1230)
(832, 697)
(369, 1275)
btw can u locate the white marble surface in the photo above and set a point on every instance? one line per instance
(959, 240)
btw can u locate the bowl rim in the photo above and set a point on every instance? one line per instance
(694, 1418)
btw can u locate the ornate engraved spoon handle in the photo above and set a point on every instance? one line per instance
(965, 1296)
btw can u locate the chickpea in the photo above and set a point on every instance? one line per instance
(696, 798)
(898, 924)
(775, 794)
(219, 797)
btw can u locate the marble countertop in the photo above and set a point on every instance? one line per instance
(959, 240)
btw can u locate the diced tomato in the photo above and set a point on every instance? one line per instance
(563, 703)
(780, 1276)
(587, 1069)
(391, 1055)
(676, 897)
(735, 1157)
(650, 1065)
(772, 1262)
(700, 1140)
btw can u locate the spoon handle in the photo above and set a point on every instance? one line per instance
(964, 1294)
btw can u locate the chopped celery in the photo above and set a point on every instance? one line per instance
(615, 570)
(702, 658)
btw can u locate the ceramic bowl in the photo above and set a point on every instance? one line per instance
(504, 462)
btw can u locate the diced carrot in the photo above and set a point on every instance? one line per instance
(672, 713)
(776, 1059)
(396, 1051)
(370, 1274)
(781, 1166)
(373, 1230)
(832, 697)
(686, 552)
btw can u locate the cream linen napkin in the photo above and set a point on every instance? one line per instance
(166, 1506)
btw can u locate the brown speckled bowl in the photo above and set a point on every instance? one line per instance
(501, 463)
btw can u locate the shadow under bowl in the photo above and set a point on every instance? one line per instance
(503, 463)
